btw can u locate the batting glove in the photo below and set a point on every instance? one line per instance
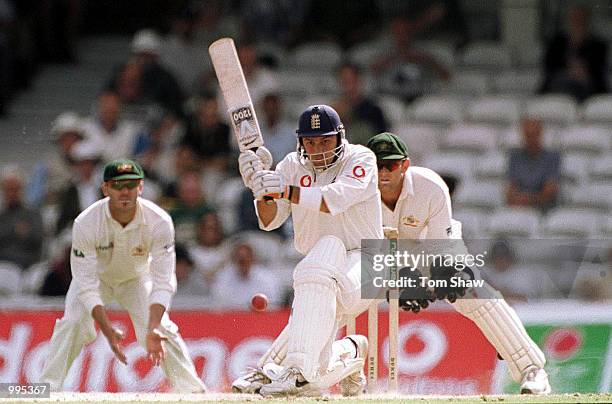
(268, 183)
(250, 162)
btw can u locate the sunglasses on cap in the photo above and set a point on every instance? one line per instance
(129, 184)
(390, 165)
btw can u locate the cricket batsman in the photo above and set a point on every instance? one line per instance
(123, 250)
(419, 194)
(329, 187)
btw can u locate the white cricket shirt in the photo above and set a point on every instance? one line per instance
(103, 250)
(423, 210)
(350, 190)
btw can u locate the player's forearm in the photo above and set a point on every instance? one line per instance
(100, 317)
(296, 198)
(156, 312)
(266, 210)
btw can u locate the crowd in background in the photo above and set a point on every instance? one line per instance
(162, 108)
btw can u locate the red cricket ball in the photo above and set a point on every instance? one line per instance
(259, 302)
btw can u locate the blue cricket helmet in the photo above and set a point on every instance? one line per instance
(319, 120)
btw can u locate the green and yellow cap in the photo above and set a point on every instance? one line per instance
(387, 146)
(123, 169)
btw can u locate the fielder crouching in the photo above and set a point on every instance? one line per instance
(329, 187)
(123, 250)
(416, 202)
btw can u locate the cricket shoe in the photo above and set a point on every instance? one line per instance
(289, 383)
(355, 383)
(535, 381)
(254, 379)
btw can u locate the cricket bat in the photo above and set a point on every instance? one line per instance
(236, 94)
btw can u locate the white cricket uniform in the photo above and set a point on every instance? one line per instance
(134, 265)
(423, 211)
(350, 190)
(327, 282)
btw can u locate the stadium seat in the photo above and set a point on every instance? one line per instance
(422, 140)
(601, 169)
(492, 165)
(595, 195)
(33, 278)
(571, 223)
(555, 109)
(468, 83)
(436, 109)
(317, 56)
(521, 82)
(443, 52)
(366, 53)
(588, 140)
(598, 109)
(606, 227)
(486, 55)
(494, 110)
(11, 279)
(394, 109)
(514, 222)
(486, 195)
(470, 138)
(529, 56)
(574, 168)
(474, 222)
(458, 164)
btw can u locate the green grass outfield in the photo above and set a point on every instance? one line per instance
(111, 398)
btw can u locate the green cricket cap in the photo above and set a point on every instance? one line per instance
(387, 146)
(123, 169)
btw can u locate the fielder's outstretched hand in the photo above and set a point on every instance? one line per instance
(155, 348)
(115, 337)
(417, 297)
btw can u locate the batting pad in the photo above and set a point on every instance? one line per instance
(504, 330)
(315, 288)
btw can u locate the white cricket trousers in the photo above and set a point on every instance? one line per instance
(76, 329)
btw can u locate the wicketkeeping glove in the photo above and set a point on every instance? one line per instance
(250, 162)
(414, 298)
(446, 272)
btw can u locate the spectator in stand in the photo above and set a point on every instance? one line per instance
(186, 58)
(357, 111)
(213, 23)
(515, 282)
(210, 253)
(54, 173)
(533, 172)
(143, 80)
(21, 233)
(575, 62)
(57, 281)
(184, 161)
(261, 80)
(190, 207)
(115, 137)
(188, 281)
(207, 135)
(156, 144)
(406, 69)
(277, 132)
(84, 187)
(241, 279)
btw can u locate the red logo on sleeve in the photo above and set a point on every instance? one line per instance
(359, 172)
(305, 181)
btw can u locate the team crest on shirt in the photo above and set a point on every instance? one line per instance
(410, 221)
(138, 251)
